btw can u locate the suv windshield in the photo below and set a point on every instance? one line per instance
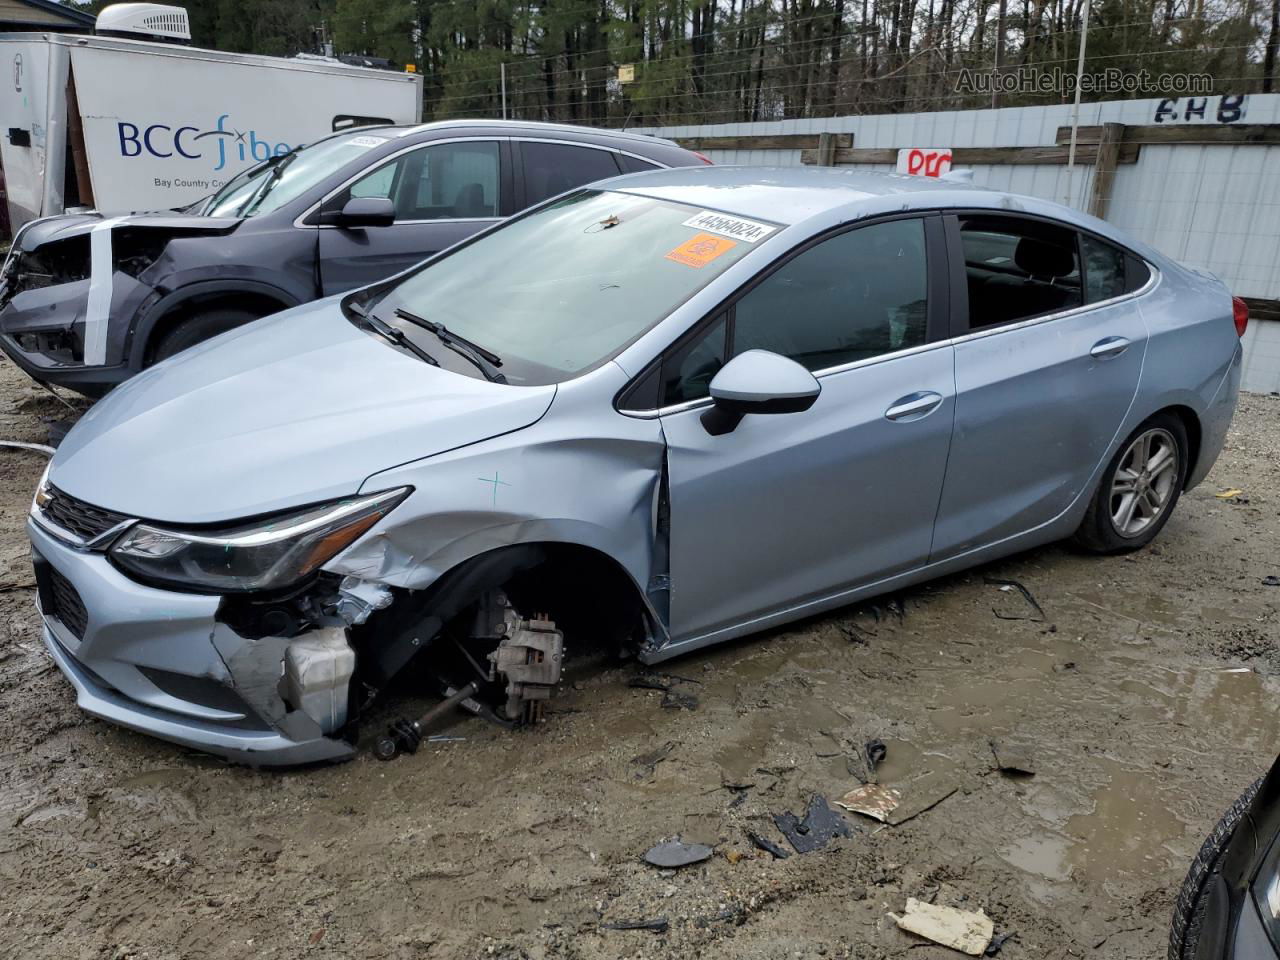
(562, 289)
(271, 185)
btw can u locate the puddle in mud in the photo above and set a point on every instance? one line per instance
(1128, 831)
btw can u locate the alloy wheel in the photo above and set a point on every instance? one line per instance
(1144, 482)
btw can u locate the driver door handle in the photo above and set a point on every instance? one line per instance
(914, 406)
(1109, 347)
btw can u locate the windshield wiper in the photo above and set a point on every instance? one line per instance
(485, 361)
(278, 165)
(393, 334)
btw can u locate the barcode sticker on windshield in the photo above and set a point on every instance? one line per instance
(366, 141)
(727, 226)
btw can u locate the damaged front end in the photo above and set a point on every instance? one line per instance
(71, 287)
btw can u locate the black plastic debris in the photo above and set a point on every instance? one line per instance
(815, 831)
(676, 853)
(875, 751)
(768, 846)
(1038, 617)
(673, 698)
(997, 942)
(1271, 581)
(657, 925)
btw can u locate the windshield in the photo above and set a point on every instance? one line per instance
(562, 289)
(271, 185)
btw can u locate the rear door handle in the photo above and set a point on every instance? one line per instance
(914, 406)
(1109, 347)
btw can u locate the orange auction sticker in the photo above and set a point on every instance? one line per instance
(701, 250)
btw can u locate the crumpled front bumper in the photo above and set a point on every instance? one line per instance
(156, 661)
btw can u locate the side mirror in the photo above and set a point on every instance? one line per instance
(758, 381)
(364, 212)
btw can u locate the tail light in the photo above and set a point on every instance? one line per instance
(1240, 314)
(701, 156)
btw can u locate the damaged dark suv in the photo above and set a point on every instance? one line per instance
(87, 301)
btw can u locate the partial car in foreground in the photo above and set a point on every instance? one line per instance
(87, 301)
(666, 411)
(1229, 904)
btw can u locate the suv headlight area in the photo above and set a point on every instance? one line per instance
(266, 554)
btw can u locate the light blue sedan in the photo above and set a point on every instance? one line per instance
(667, 410)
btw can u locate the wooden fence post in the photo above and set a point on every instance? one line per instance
(826, 150)
(1104, 171)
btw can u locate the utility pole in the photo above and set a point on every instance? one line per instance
(1075, 109)
(502, 67)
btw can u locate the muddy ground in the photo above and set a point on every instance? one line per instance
(1147, 701)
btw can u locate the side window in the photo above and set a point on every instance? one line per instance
(1104, 269)
(631, 164)
(855, 296)
(553, 168)
(1018, 269)
(380, 183)
(447, 181)
(687, 371)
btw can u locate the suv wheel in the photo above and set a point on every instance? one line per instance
(198, 328)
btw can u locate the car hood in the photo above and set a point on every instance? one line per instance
(294, 409)
(47, 229)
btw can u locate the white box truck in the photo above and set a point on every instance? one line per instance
(121, 125)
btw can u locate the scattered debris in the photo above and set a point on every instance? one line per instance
(1007, 586)
(872, 800)
(733, 856)
(649, 681)
(1013, 758)
(739, 797)
(922, 795)
(647, 762)
(1271, 581)
(676, 853)
(768, 846)
(962, 930)
(875, 751)
(998, 941)
(667, 683)
(1230, 494)
(815, 831)
(676, 700)
(657, 925)
(443, 738)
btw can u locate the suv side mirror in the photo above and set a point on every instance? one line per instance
(364, 212)
(758, 381)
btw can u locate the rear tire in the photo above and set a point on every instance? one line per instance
(1139, 489)
(1193, 898)
(198, 328)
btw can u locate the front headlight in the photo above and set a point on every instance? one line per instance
(265, 555)
(1266, 892)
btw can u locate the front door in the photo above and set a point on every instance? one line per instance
(443, 193)
(790, 508)
(1047, 366)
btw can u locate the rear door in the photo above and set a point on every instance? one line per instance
(443, 193)
(1048, 357)
(788, 508)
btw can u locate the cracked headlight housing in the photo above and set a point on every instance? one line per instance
(267, 554)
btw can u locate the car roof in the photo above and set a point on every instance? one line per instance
(792, 194)
(536, 127)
